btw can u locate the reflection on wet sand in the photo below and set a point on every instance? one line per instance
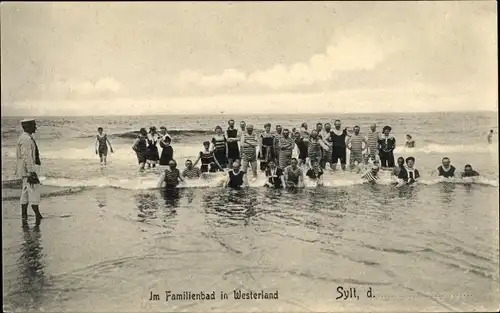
(32, 280)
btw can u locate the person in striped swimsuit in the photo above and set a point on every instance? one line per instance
(372, 140)
(219, 146)
(294, 176)
(171, 177)
(286, 145)
(314, 149)
(248, 144)
(140, 147)
(208, 161)
(355, 145)
(267, 149)
(372, 175)
(327, 140)
(190, 171)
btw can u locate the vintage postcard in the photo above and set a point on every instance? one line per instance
(250, 156)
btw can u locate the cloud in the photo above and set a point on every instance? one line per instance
(348, 54)
(98, 87)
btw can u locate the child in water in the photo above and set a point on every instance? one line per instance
(408, 175)
(410, 143)
(101, 146)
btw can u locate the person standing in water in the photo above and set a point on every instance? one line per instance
(410, 143)
(243, 127)
(267, 146)
(140, 147)
(408, 175)
(101, 146)
(316, 173)
(277, 136)
(152, 155)
(285, 146)
(275, 176)
(314, 149)
(446, 170)
(249, 143)
(27, 164)
(372, 140)
(469, 172)
(490, 136)
(170, 177)
(301, 147)
(355, 145)
(338, 139)
(327, 140)
(233, 151)
(387, 144)
(190, 171)
(219, 146)
(294, 176)
(167, 152)
(208, 161)
(236, 178)
(400, 166)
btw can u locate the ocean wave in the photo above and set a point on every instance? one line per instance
(148, 181)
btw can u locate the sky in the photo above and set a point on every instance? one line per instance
(262, 57)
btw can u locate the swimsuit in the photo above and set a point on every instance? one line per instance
(103, 147)
(220, 150)
(446, 173)
(235, 180)
(207, 159)
(233, 152)
(285, 151)
(338, 147)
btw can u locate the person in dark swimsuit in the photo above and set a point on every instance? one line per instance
(219, 145)
(410, 143)
(236, 178)
(408, 175)
(232, 135)
(302, 147)
(338, 140)
(387, 144)
(167, 152)
(140, 148)
(400, 165)
(446, 170)
(274, 175)
(316, 173)
(152, 155)
(267, 147)
(208, 161)
(102, 142)
(469, 172)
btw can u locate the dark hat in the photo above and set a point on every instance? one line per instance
(387, 127)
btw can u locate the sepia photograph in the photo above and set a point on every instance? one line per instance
(281, 156)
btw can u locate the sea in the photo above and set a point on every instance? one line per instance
(111, 240)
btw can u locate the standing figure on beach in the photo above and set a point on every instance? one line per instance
(408, 175)
(314, 149)
(446, 170)
(286, 144)
(219, 146)
(327, 140)
(294, 176)
(233, 151)
(152, 155)
(277, 136)
(338, 139)
(355, 145)
(248, 144)
(490, 136)
(301, 147)
(140, 147)
(27, 163)
(387, 144)
(372, 140)
(101, 146)
(267, 150)
(167, 152)
(410, 143)
(208, 161)
(236, 178)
